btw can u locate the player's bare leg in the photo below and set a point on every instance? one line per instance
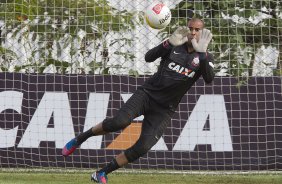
(73, 144)
(121, 159)
(101, 175)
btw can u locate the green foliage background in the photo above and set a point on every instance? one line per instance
(230, 35)
(51, 20)
(234, 44)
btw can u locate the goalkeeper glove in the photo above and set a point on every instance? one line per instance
(179, 36)
(202, 44)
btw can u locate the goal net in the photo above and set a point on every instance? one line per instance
(68, 64)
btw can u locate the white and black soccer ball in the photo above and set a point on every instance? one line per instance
(157, 15)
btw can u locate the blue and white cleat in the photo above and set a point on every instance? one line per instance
(70, 147)
(99, 177)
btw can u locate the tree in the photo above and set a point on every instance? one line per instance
(239, 28)
(79, 27)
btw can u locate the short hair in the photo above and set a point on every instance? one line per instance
(195, 19)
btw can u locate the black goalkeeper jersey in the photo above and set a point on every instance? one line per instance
(178, 71)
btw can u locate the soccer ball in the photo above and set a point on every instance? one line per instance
(157, 15)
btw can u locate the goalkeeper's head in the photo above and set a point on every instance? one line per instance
(194, 25)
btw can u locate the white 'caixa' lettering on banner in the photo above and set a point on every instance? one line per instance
(10, 100)
(57, 105)
(218, 135)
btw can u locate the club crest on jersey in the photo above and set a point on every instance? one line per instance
(180, 69)
(196, 62)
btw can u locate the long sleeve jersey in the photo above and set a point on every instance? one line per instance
(177, 73)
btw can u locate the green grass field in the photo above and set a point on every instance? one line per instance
(123, 178)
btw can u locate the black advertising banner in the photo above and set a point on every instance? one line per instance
(222, 126)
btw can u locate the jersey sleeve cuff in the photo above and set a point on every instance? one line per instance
(167, 45)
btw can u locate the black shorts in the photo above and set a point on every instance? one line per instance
(156, 119)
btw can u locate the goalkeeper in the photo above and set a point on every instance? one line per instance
(184, 58)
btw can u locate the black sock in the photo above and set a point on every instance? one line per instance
(84, 136)
(110, 167)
